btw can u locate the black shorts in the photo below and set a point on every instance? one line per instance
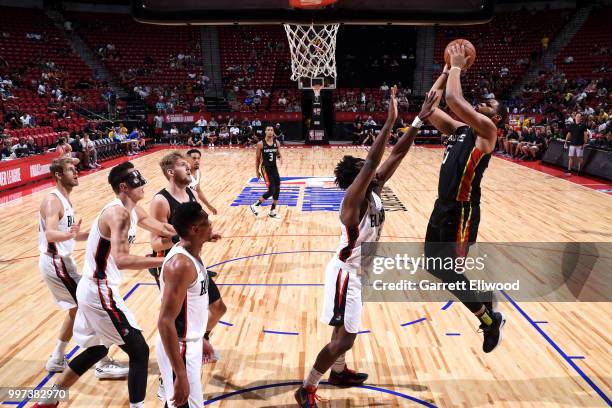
(452, 227)
(213, 291)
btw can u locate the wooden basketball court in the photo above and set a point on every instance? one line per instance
(271, 275)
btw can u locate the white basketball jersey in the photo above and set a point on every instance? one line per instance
(99, 263)
(368, 230)
(63, 248)
(195, 180)
(191, 321)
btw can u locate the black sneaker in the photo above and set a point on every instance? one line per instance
(307, 397)
(493, 333)
(212, 274)
(347, 378)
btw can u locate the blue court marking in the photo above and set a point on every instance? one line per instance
(226, 323)
(281, 332)
(322, 199)
(558, 349)
(576, 357)
(447, 305)
(540, 321)
(297, 383)
(453, 334)
(364, 332)
(414, 322)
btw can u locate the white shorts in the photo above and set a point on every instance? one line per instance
(576, 151)
(102, 316)
(191, 352)
(60, 275)
(342, 304)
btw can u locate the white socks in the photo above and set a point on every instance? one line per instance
(313, 378)
(137, 404)
(339, 365)
(60, 350)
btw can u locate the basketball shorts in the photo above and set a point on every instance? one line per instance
(191, 352)
(342, 303)
(576, 151)
(452, 228)
(102, 316)
(60, 275)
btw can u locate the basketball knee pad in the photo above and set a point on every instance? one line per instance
(84, 361)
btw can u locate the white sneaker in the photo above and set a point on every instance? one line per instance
(161, 391)
(253, 208)
(55, 365)
(275, 215)
(108, 368)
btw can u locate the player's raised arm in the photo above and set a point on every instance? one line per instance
(349, 213)
(483, 126)
(403, 146)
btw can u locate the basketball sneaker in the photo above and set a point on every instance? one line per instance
(307, 397)
(347, 378)
(493, 333)
(108, 368)
(56, 365)
(275, 215)
(253, 208)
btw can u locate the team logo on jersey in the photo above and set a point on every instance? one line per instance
(131, 239)
(316, 194)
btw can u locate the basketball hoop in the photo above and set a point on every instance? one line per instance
(313, 50)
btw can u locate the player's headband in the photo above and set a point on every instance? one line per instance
(134, 179)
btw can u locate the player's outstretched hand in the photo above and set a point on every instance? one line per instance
(392, 115)
(213, 210)
(457, 55)
(427, 108)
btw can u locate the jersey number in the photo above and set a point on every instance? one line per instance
(271, 157)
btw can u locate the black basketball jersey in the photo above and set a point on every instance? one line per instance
(462, 167)
(269, 154)
(173, 203)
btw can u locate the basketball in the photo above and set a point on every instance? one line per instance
(469, 50)
(310, 4)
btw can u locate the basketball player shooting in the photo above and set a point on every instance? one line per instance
(453, 225)
(265, 163)
(362, 216)
(181, 347)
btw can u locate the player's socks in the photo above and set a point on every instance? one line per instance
(485, 316)
(313, 378)
(137, 404)
(340, 364)
(60, 350)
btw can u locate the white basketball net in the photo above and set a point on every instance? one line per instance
(313, 50)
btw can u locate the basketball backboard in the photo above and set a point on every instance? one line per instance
(408, 12)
